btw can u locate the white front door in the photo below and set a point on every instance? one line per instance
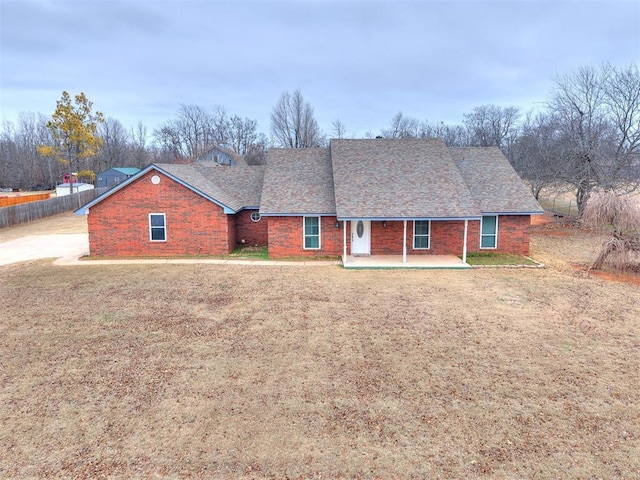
(360, 237)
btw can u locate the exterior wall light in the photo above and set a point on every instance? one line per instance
(384, 223)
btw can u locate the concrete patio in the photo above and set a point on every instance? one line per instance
(395, 261)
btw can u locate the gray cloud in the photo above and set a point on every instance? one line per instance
(360, 61)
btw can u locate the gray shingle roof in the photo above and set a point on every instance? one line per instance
(243, 181)
(399, 178)
(298, 181)
(493, 182)
(234, 187)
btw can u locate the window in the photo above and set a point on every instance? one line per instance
(255, 216)
(157, 227)
(311, 233)
(421, 230)
(489, 232)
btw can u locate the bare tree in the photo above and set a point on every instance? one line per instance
(21, 166)
(622, 99)
(189, 134)
(599, 118)
(243, 134)
(619, 215)
(8, 156)
(115, 145)
(293, 124)
(402, 127)
(139, 154)
(452, 135)
(256, 153)
(492, 126)
(195, 130)
(339, 129)
(535, 152)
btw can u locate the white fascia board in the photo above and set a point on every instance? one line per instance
(536, 212)
(85, 208)
(297, 214)
(400, 219)
(226, 209)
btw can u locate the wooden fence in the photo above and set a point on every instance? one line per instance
(24, 198)
(27, 212)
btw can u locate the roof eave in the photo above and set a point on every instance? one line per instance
(85, 208)
(532, 212)
(399, 219)
(298, 214)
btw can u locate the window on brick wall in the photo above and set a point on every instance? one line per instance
(421, 233)
(489, 232)
(157, 227)
(311, 227)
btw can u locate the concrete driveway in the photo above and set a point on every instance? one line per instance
(34, 247)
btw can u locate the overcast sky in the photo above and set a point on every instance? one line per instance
(359, 61)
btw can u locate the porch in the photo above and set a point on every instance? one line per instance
(396, 261)
(389, 244)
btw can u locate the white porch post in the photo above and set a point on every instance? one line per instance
(464, 246)
(404, 243)
(344, 241)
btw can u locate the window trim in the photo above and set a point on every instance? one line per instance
(164, 227)
(257, 214)
(305, 236)
(428, 235)
(494, 234)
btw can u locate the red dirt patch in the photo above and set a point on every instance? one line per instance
(549, 224)
(542, 219)
(631, 278)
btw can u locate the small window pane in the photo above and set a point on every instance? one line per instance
(488, 242)
(311, 226)
(312, 242)
(421, 242)
(422, 228)
(157, 234)
(488, 225)
(157, 220)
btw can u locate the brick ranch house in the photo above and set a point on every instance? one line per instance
(402, 197)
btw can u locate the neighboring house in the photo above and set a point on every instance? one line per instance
(220, 156)
(63, 189)
(115, 175)
(401, 197)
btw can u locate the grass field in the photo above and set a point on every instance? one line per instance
(198, 371)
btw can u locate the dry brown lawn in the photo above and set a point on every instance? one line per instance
(203, 371)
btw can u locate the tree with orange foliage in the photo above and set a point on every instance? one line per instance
(75, 132)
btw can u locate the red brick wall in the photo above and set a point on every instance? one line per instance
(253, 233)
(513, 234)
(119, 225)
(286, 238)
(447, 237)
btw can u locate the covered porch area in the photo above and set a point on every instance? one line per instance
(405, 243)
(409, 261)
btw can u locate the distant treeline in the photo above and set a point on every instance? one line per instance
(587, 135)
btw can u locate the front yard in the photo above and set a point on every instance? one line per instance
(201, 371)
